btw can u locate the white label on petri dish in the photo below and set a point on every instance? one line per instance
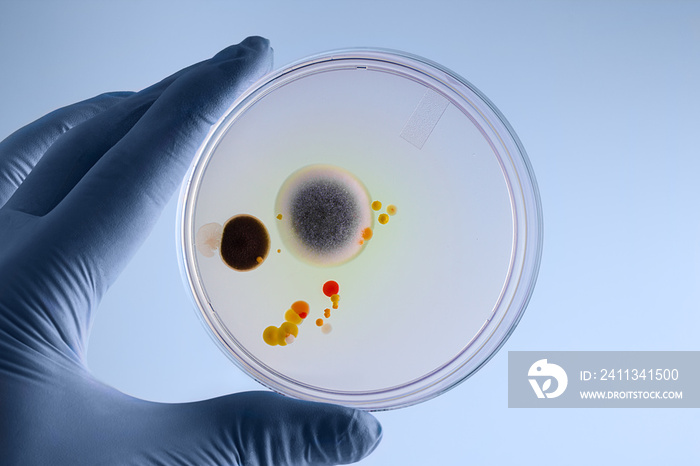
(424, 118)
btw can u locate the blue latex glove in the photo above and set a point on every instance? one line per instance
(80, 190)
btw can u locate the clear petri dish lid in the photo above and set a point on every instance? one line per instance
(361, 227)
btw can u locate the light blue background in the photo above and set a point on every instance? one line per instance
(605, 98)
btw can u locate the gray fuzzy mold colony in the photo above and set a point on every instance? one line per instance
(324, 215)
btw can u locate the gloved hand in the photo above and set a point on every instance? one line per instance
(80, 190)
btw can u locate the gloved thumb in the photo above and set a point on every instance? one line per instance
(263, 428)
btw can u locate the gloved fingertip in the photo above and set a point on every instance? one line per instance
(365, 431)
(256, 44)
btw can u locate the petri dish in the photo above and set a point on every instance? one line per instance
(387, 219)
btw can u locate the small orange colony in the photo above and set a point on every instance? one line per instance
(390, 211)
(383, 219)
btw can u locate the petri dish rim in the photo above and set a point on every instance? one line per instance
(527, 229)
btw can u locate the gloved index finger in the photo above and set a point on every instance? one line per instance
(22, 150)
(70, 156)
(121, 197)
